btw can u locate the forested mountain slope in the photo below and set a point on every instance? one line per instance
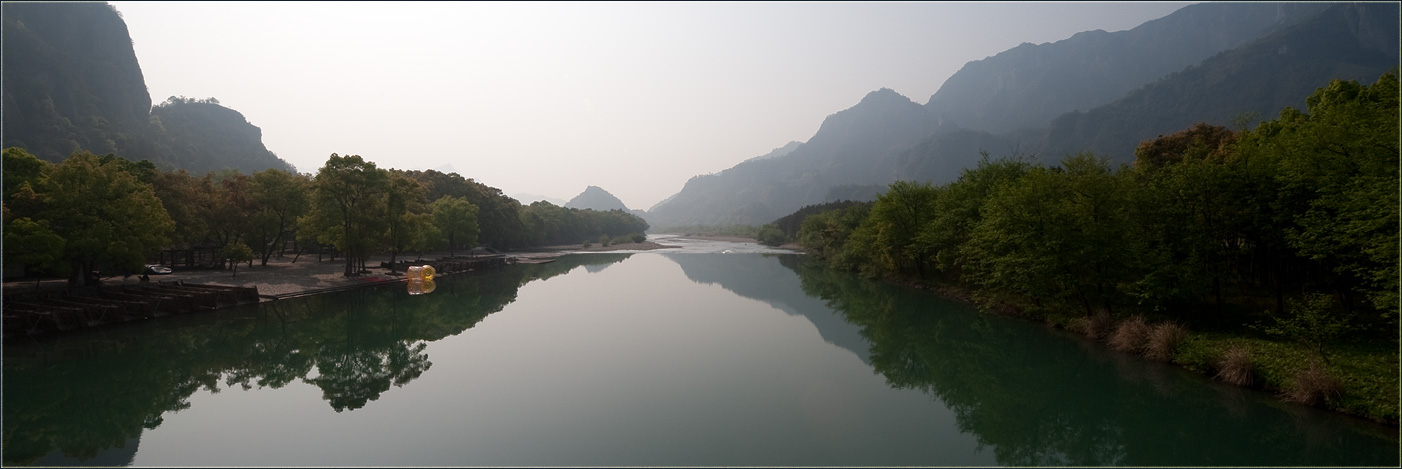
(1028, 85)
(211, 137)
(1348, 41)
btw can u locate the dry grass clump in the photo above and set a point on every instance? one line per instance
(1313, 385)
(1235, 366)
(1096, 327)
(1164, 339)
(1130, 336)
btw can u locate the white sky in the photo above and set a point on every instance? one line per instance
(548, 98)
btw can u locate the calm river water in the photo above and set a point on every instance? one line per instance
(695, 357)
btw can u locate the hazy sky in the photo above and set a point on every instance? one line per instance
(548, 98)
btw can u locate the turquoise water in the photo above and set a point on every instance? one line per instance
(657, 358)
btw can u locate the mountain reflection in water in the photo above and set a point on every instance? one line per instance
(619, 376)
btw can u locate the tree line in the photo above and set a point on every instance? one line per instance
(90, 212)
(1210, 225)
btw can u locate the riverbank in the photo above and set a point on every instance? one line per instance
(1361, 378)
(283, 276)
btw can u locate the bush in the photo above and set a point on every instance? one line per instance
(1131, 335)
(1312, 322)
(1235, 366)
(637, 237)
(1096, 326)
(1313, 385)
(1164, 340)
(771, 235)
(604, 240)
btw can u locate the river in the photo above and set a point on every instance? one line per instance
(713, 354)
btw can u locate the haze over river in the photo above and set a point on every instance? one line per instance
(695, 356)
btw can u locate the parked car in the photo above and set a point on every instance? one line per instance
(154, 269)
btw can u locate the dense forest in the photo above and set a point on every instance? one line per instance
(110, 214)
(1289, 230)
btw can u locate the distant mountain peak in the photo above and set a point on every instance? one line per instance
(884, 95)
(596, 198)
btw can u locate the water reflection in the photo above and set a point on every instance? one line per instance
(87, 396)
(1040, 398)
(710, 380)
(770, 278)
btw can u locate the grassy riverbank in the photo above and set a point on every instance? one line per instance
(1367, 373)
(1362, 375)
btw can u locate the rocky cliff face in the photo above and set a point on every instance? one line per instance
(71, 81)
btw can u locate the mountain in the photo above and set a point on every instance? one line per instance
(781, 151)
(764, 188)
(211, 137)
(527, 199)
(596, 198)
(1004, 105)
(1028, 85)
(772, 280)
(1356, 41)
(71, 81)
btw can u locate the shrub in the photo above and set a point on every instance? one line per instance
(1313, 385)
(1235, 366)
(1164, 340)
(637, 237)
(587, 244)
(1096, 326)
(603, 240)
(1131, 335)
(771, 235)
(1311, 321)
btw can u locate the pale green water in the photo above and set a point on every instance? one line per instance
(635, 359)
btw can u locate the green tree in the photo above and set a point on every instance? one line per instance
(105, 215)
(191, 203)
(1056, 237)
(278, 198)
(21, 168)
(1338, 168)
(409, 226)
(456, 220)
(896, 219)
(31, 244)
(826, 234)
(1312, 322)
(955, 211)
(770, 235)
(348, 193)
(230, 207)
(235, 253)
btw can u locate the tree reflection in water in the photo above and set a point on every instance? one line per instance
(1038, 397)
(84, 393)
